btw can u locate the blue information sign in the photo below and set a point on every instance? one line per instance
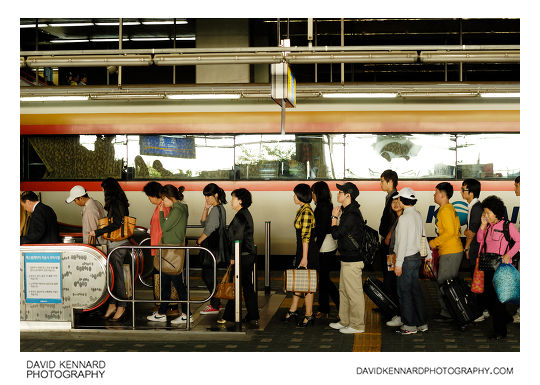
(161, 145)
(43, 277)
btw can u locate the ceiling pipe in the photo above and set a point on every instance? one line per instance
(88, 61)
(277, 49)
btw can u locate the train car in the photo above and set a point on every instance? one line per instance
(240, 144)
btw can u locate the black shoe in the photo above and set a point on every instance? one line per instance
(290, 316)
(442, 318)
(497, 336)
(306, 321)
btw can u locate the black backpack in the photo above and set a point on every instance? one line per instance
(367, 242)
(511, 242)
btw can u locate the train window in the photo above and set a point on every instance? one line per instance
(76, 156)
(410, 155)
(181, 157)
(288, 156)
(484, 156)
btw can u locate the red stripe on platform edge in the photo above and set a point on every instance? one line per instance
(491, 185)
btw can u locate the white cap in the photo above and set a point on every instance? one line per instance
(406, 192)
(75, 192)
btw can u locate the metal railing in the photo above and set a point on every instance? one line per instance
(188, 301)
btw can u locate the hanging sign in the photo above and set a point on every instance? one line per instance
(43, 277)
(283, 85)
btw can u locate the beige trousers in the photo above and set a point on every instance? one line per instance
(351, 295)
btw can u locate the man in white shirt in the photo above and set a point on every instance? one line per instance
(409, 232)
(91, 212)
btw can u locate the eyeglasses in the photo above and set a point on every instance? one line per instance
(340, 192)
(464, 189)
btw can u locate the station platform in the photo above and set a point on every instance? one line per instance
(93, 334)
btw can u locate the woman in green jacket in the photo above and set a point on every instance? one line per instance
(172, 260)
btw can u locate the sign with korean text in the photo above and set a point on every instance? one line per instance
(43, 277)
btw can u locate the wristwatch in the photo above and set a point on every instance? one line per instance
(334, 217)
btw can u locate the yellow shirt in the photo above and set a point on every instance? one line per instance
(449, 227)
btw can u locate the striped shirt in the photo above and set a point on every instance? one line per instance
(305, 221)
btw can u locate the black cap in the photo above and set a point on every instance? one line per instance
(349, 188)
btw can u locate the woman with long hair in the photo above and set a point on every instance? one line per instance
(306, 251)
(241, 229)
(213, 217)
(326, 245)
(174, 234)
(390, 240)
(116, 205)
(493, 244)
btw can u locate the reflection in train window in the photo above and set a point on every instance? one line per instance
(77, 156)
(410, 155)
(485, 156)
(181, 157)
(289, 156)
(269, 157)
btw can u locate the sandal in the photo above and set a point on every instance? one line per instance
(308, 320)
(290, 316)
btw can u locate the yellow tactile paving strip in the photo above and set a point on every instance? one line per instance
(370, 340)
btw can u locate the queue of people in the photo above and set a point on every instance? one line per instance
(320, 234)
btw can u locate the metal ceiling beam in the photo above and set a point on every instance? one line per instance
(88, 61)
(277, 49)
(268, 58)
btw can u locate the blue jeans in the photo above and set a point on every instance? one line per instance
(411, 299)
(180, 287)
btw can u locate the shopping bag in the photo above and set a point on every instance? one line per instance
(506, 283)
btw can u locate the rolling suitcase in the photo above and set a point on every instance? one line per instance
(460, 301)
(374, 290)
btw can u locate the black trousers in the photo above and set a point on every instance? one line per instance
(497, 310)
(327, 289)
(389, 277)
(246, 284)
(207, 275)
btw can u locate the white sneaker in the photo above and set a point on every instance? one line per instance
(395, 321)
(423, 328)
(336, 325)
(349, 330)
(156, 317)
(480, 319)
(486, 314)
(182, 319)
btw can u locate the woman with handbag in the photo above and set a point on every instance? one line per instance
(116, 205)
(326, 245)
(241, 229)
(172, 260)
(494, 248)
(306, 251)
(213, 220)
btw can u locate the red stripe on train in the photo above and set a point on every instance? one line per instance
(278, 185)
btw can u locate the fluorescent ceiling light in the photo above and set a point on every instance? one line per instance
(34, 26)
(71, 41)
(108, 39)
(149, 38)
(164, 22)
(115, 23)
(53, 98)
(186, 38)
(500, 95)
(71, 25)
(203, 96)
(360, 95)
